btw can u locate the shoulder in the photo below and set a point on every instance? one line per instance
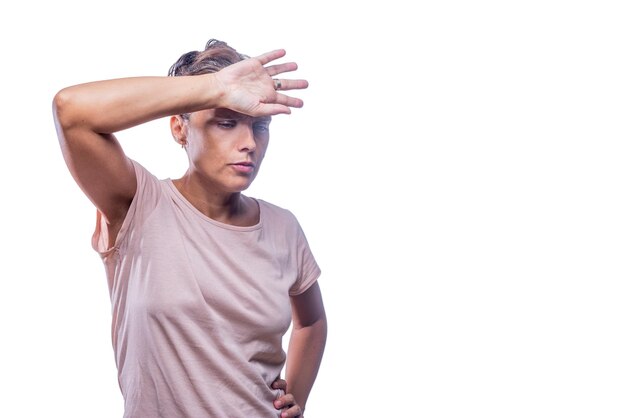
(150, 192)
(148, 184)
(275, 214)
(142, 173)
(274, 210)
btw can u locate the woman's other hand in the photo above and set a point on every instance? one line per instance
(286, 403)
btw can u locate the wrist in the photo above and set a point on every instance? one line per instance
(214, 90)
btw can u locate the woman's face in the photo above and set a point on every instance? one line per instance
(226, 148)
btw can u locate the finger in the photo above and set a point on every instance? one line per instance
(286, 67)
(285, 401)
(287, 84)
(292, 412)
(282, 99)
(271, 56)
(272, 109)
(279, 384)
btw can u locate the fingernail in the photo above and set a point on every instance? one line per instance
(278, 404)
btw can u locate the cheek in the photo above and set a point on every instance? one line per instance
(262, 146)
(202, 146)
(200, 152)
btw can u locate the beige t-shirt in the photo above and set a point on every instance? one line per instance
(199, 308)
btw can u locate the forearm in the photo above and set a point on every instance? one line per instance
(113, 105)
(306, 348)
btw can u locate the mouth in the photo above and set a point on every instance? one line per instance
(244, 167)
(244, 163)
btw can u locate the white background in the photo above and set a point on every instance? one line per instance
(458, 167)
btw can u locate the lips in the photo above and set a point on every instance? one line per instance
(246, 163)
(244, 167)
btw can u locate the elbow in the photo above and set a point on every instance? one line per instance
(62, 110)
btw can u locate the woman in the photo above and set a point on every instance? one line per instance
(204, 281)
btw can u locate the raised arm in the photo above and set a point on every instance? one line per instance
(88, 115)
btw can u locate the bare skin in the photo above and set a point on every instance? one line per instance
(225, 150)
(225, 136)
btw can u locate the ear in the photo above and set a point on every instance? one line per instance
(179, 130)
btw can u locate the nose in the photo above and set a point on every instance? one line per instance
(247, 142)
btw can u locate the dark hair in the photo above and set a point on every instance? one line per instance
(216, 55)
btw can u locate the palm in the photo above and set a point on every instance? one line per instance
(248, 86)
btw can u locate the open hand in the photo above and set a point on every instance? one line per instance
(249, 86)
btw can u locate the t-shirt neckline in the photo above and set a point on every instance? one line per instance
(179, 196)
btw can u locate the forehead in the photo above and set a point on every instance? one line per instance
(227, 114)
(223, 113)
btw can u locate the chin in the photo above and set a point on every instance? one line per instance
(236, 188)
(242, 183)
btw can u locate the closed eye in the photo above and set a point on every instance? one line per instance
(227, 124)
(261, 127)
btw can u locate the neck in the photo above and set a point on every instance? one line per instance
(229, 208)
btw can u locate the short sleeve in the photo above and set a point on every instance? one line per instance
(308, 269)
(145, 200)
